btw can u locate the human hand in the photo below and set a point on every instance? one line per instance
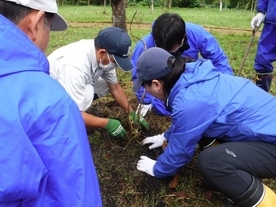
(257, 20)
(155, 141)
(146, 165)
(143, 109)
(115, 128)
(134, 116)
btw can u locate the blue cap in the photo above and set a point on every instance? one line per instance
(117, 42)
(152, 64)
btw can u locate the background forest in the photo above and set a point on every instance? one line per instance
(230, 4)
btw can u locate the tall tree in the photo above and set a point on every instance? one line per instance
(253, 5)
(152, 6)
(104, 7)
(119, 14)
(167, 4)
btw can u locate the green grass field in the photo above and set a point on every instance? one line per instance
(121, 184)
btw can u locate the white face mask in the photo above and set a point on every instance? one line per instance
(109, 66)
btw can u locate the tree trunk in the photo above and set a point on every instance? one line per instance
(220, 5)
(104, 7)
(202, 3)
(170, 4)
(165, 4)
(253, 4)
(151, 7)
(119, 14)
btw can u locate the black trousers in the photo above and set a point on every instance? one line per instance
(231, 167)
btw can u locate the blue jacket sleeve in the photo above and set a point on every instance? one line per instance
(208, 47)
(262, 6)
(267, 7)
(189, 122)
(140, 47)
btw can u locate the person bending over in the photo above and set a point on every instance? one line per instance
(170, 32)
(87, 71)
(206, 103)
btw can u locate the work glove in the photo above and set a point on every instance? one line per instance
(143, 109)
(115, 128)
(155, 141)
(257, 20)
(146, 165)
(141, 121)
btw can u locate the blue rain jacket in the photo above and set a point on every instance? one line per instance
(208, 103)
(201, 43)
(45, 159)
(266, 51)
(267, 7)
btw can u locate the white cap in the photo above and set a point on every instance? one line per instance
(50, 6)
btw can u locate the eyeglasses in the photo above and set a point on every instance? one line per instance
(177, 47)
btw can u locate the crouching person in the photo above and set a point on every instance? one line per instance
(87, 71)
(206, 103)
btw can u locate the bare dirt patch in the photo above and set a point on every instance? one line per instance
(223, 30)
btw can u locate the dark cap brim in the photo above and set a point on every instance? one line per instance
(123, 62)
(58, 23)
(138, 83)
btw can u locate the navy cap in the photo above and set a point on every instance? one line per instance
(117, 42)
(152, 64)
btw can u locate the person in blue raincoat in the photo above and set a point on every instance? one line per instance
(266, 50)
(208, 104)
(45, 158)
(170, 32)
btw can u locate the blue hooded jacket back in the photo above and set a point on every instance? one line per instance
(45, 158)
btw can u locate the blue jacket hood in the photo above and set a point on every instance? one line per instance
(21, 55)
(194, 74)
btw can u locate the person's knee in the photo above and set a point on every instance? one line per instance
(203, 161)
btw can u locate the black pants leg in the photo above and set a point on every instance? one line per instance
(231, 167)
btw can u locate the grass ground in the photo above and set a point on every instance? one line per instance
(115, 159)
